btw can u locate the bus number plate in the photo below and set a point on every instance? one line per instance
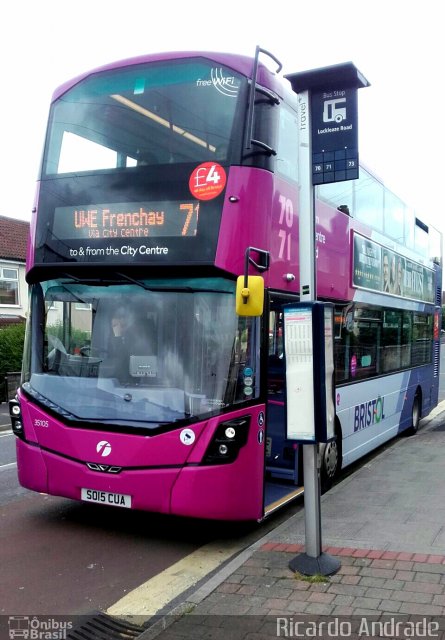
(105, 497)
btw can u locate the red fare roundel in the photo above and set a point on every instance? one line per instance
(207, 181)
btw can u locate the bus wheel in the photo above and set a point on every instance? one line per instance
(415, 415)
(330, 464)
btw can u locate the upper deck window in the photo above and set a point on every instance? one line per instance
(368, 206)
(158, 113)
(394, 216)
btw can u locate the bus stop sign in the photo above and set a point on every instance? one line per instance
(334, 135)
(334, 121)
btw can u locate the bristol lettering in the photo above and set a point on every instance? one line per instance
(369, 413)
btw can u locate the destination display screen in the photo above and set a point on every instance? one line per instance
(127, 218)
(167, 218)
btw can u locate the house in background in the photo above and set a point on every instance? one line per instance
(13, 287)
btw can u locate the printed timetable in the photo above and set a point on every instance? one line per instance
(298, 337)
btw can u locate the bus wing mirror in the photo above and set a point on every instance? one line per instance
(250, 298)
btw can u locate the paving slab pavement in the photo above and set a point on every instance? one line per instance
(386, 524)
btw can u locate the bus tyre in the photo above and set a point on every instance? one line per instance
(330, 463)
(415, 415)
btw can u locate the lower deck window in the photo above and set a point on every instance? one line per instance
(373, 341)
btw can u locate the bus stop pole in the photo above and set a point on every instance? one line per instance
(313, 561)
(312, 509)
(308, 294)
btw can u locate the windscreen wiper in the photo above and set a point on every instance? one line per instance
(136, 282)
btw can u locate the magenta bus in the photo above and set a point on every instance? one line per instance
(141, 386)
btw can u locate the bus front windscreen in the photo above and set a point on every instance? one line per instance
(146, 354)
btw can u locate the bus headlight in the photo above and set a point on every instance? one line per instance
(15, 413)
(15, 410)
(230, 436)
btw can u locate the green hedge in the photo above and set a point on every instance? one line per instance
(12, 338)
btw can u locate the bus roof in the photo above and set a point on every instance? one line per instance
(240, 63)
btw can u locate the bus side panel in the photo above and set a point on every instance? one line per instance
(266, 212)
(215, 493)
(32, 231)
(227, 491)
(264, 215)
(369, 414)
(31, 467)
(373, 411)
(246, 221)
(420, 378)
(333, 253)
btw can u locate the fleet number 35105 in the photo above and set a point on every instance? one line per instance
(41, 423)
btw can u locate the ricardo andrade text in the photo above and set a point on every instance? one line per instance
(360, 627)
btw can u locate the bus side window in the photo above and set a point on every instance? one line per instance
(391, 340)
(341, 350)
(365, 357)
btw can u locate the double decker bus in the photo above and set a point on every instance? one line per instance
(163, 179)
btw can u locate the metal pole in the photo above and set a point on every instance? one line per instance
(308, 294)
(313, 561)
(312, 510)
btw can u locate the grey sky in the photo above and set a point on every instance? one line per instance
(396, 44)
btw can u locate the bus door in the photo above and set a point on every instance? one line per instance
(283, 460)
